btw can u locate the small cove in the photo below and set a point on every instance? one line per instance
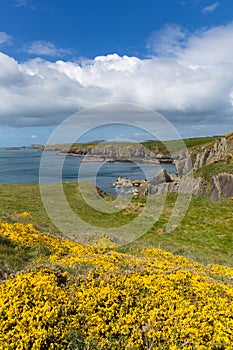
(22, 167)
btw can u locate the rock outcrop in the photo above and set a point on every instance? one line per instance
(221, 149)
(200, 187)
(161, 177)
(196, 186)
(221, 186)
(123, 182)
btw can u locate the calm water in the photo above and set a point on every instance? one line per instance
(22, 167)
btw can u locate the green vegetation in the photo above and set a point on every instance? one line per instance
(162, 147)
(97, 295)
(205, 234)
(13, 257)
(215, 168)
(154, 146)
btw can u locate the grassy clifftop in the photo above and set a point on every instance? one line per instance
(151, 145)
(205, 234)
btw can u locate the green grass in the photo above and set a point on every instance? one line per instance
(155, 146)
(14, 258)
(162, 147)
(207, 171)
(205, 234)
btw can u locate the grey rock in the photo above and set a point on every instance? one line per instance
(221, 186)
(200, 187)
(161, 177)
(214, 190)
(186, 184)
(226, 184)
(183, 166)
(221, 148)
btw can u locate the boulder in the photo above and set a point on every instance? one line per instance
(137, 183)
(127, 184)
(161, 177)
(221, 185)
(144, 188)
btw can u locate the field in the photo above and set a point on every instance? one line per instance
(161, 291)
(205, 234)
(158, 146)
(71, 296)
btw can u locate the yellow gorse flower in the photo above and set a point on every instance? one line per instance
(154, 300)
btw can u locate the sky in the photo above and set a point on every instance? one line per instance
(59, 57)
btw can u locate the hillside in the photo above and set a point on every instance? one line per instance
(150, 151)
(77, 297)
(209, 222)
(207, 171)
(162, 291)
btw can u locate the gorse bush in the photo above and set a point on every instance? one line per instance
(80, 297)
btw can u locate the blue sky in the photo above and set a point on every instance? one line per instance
(58, 57)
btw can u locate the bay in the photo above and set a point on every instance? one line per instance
(23, 167)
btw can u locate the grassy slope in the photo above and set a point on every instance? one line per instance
(205, 233)
(158, 146)
(210, 170)
(155, 146)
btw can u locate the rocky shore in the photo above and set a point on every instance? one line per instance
(218, 185)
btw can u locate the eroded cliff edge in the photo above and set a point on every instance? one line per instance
(212, 167)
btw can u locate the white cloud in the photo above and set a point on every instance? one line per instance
(45, 48)
(34, 136)
(212, 46)
(193, 87)
(210, 8)
(5, 38)
(169, 40)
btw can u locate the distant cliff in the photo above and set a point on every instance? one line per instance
(204, 151)
(111, 152)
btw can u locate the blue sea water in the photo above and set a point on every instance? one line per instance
(23, 167)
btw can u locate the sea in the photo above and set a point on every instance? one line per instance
(25, 166)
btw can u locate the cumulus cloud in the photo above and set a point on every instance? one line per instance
(213, 46)
(45, 48)
(5, 38)
(193, 86)
(210, 8)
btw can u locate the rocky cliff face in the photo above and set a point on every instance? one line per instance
(221, 149)
(112, 152)
(221, 186)
(122, 151)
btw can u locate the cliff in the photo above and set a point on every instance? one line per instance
(220, 150)
(213, 172)
(117, 151)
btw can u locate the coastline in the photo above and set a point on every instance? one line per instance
(92, 158)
